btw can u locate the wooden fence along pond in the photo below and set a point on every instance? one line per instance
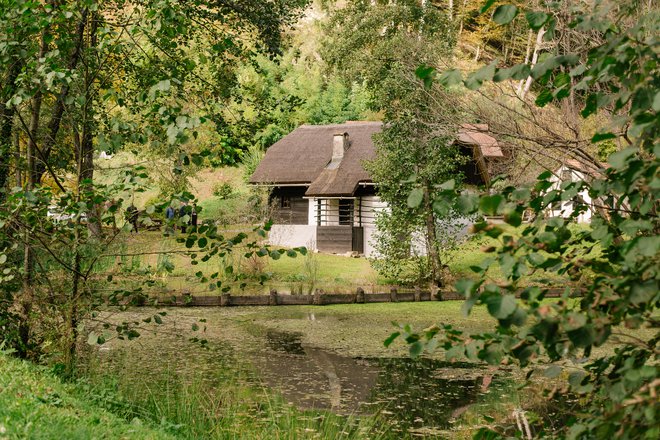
(319, 298)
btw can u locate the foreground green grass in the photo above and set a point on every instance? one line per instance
(36, 405)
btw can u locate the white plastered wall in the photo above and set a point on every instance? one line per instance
(371, 205)
(293, 236)
(566, 207)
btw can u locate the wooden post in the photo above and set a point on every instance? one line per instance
(318, 300)
(225, 300)
(418, 294)
(359, 295)
(393, 297)
(272, 301)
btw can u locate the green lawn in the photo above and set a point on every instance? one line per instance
(36, 405)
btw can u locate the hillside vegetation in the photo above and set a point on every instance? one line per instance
(34, 404)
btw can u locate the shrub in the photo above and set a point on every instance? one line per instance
(223, 190)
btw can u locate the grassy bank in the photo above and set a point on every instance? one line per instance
(34, 404)
(160, 404)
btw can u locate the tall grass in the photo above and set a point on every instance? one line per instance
(189, 405)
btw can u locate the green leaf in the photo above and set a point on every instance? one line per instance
(475, 79)
(521, 194)
(449, 185)
(649, 246)
(656, 102)
(536, 259)
(486, 6)
(158, 319)
(618, 160)
(391, 339)
(552, 371)
(642, 293)
(415, 197)
(536, 19)
(416, 349)
(492, 354)
(467, 203)
(202, 242)
(466, 287)
(543, 98)
(275, 255)
(504, 14)
(92, 338)
(455, 353)
(450, 78)
(517, 72)
(195, 327)
(544, 175)
(490, 204)
(501, 307)
(602, 136)
(551, 63)
(514, 218)
(441, 207)
(425, 73)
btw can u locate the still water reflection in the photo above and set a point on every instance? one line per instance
(408, 393)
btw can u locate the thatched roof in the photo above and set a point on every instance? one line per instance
(304, 157)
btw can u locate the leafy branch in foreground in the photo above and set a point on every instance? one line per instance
(619, 252)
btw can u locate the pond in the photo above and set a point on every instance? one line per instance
(408, 394)
(421, 397)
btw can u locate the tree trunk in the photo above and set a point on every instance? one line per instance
(7, 124)
(528, 51)
(460, 27)
(17, 160)
(535, 57)
(85, 148)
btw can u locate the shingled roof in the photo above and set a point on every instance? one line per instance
(302, 157)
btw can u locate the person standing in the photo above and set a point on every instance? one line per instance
(193, 216)
(169, 217)
(182, 214)
(132, 217)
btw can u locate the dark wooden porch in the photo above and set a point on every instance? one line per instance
(340, 239)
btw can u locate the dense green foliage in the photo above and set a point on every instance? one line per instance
(274, 96)
(621, 247)
(87, 76)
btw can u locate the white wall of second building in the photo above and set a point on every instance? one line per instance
(566, 207)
